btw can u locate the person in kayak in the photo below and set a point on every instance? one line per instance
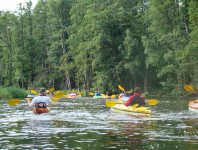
(40, 103)
(97, 93)
(136, 98)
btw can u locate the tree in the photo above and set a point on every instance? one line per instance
(7, 21)
(164, 40)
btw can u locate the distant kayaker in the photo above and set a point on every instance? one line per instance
(121, 95)
(136, 98)
(125, 95)
(40, 103)
(97, 94)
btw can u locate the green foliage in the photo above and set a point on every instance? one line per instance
(16, 92)
(12, 92)
(4, 93)
(96, 44)
(165, 40)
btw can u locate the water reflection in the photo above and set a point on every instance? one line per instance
(86, 123)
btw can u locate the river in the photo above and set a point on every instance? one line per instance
(87, 124)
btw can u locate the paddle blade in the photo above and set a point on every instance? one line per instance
(110, 103)
(54, 99)
(90, 93)
(13, 102)
(121, 88)
(152, 102)
(51, 90)
(189, 88)
(59, 94)
(34, 92)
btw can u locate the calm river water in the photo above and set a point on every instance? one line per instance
(87, 124)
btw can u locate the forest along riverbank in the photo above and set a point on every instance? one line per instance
(85, 123)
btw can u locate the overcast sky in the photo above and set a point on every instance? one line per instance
(12, 5)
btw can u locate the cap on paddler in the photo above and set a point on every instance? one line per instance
(137, 90)
(42, 90)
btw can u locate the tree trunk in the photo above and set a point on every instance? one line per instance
(146, 81)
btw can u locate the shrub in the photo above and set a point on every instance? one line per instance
(16, 92)
(12, 92)
(4, 93)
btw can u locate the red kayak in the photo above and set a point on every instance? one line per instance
(40, 110)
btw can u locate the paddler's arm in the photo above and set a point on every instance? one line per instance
(28, 100)
(50, 102)
(31, 103)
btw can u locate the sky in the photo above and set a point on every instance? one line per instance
(12, 5)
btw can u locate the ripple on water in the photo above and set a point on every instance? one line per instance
(87, 123)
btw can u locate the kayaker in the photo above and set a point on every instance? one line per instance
(40, 103)
(129, 93)
(108, 93)
(97, 94)
(136, 98)
(121, 95)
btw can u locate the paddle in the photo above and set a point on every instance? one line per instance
(189, 88)
(90, 93)
(51, 90)
(13, 101)
(33, 92)
(110, 103)
(57, 96)
(151, 102)
(121, 88)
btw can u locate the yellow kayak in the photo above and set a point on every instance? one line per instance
(131, 110)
